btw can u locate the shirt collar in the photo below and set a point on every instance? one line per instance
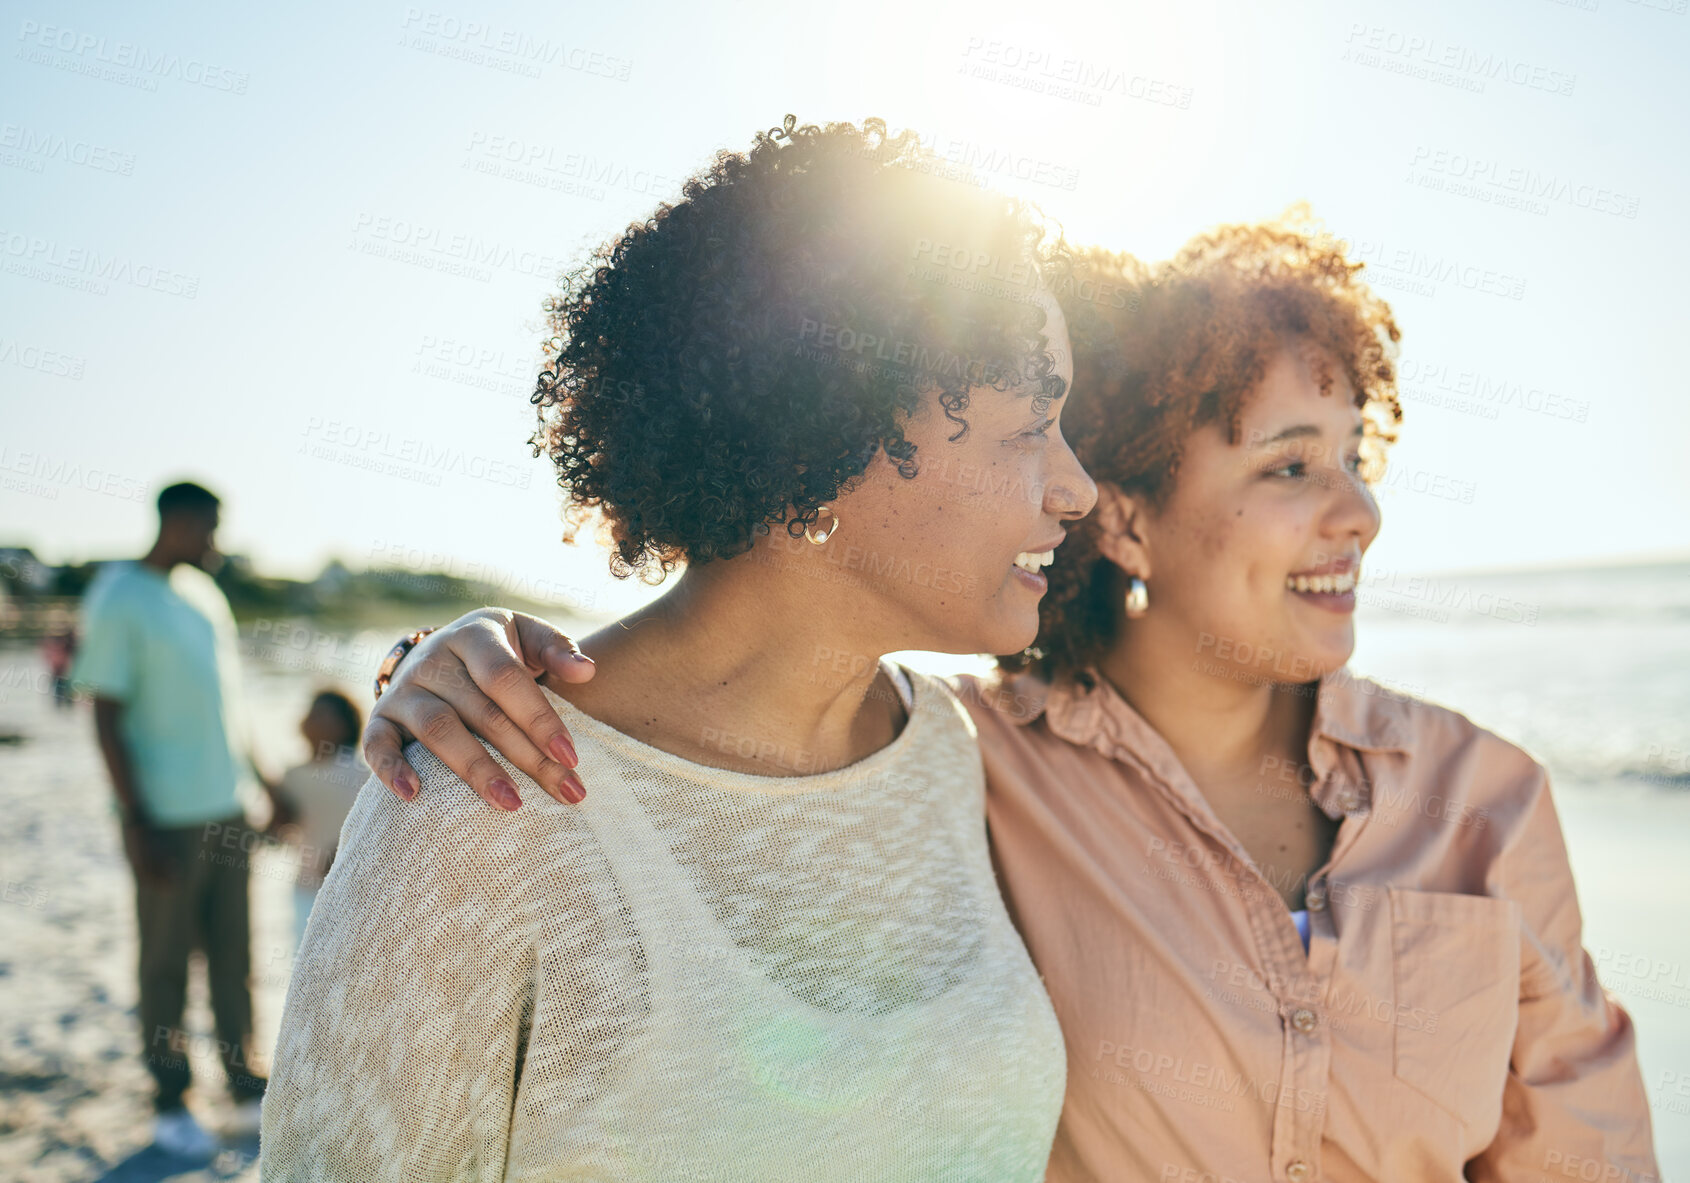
(1362, 714)
(1086, 710)
(1352, 715)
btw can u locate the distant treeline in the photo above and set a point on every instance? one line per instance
(29, 587)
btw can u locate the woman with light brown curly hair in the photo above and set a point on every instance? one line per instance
(1295, 926)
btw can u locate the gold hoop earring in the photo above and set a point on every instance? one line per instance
(1138, 598)
(820, 536)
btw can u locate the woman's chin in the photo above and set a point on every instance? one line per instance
(1331, 657)
(994, 634)
(1011, 634)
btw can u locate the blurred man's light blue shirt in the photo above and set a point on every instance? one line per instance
(166, 648)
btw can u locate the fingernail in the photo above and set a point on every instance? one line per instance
(402, 782)
(573, 788)
(564, 752)
(577, 655)
(504, 793)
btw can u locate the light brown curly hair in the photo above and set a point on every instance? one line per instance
(1187, 353)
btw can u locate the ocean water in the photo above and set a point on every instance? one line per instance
(1588, 670)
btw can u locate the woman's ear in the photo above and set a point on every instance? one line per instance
(1120, 530)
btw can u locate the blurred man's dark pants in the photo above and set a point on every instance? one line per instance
(204, 906)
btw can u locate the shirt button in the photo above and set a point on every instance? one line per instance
(1304, 1021)
(1299, 1171)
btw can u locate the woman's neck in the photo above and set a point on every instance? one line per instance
(1220, 727)
(747, 667)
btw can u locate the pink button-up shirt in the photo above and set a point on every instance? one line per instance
(1445, 1022)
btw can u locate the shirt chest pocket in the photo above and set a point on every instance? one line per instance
(1457, 959)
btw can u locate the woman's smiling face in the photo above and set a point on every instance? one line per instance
(1254, 559)
(939, 553)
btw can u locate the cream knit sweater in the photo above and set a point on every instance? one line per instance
(697, 974)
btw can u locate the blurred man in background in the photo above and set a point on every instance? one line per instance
(159, 657)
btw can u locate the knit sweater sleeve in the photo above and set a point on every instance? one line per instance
(412, 1002)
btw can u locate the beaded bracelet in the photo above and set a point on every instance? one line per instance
(384, 675)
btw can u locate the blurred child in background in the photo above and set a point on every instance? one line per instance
(58, 650)
(321, 792)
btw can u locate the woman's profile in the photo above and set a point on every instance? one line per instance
(776, 950)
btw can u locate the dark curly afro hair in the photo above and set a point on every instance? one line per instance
(737, 359)
(1186, 353)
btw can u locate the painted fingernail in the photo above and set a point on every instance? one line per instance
(504, 793)
(564, 752)
(573, 788)
(577, 655)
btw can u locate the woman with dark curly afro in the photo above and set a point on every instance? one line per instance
(770, 945)
(1297, 926)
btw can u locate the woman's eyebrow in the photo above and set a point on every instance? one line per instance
(1301, 431)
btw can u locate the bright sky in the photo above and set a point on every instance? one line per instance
(268, 205)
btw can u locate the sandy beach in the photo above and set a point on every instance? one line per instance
(73, 1093)
(75, 1103)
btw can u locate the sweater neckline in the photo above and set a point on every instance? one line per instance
(832, 781)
